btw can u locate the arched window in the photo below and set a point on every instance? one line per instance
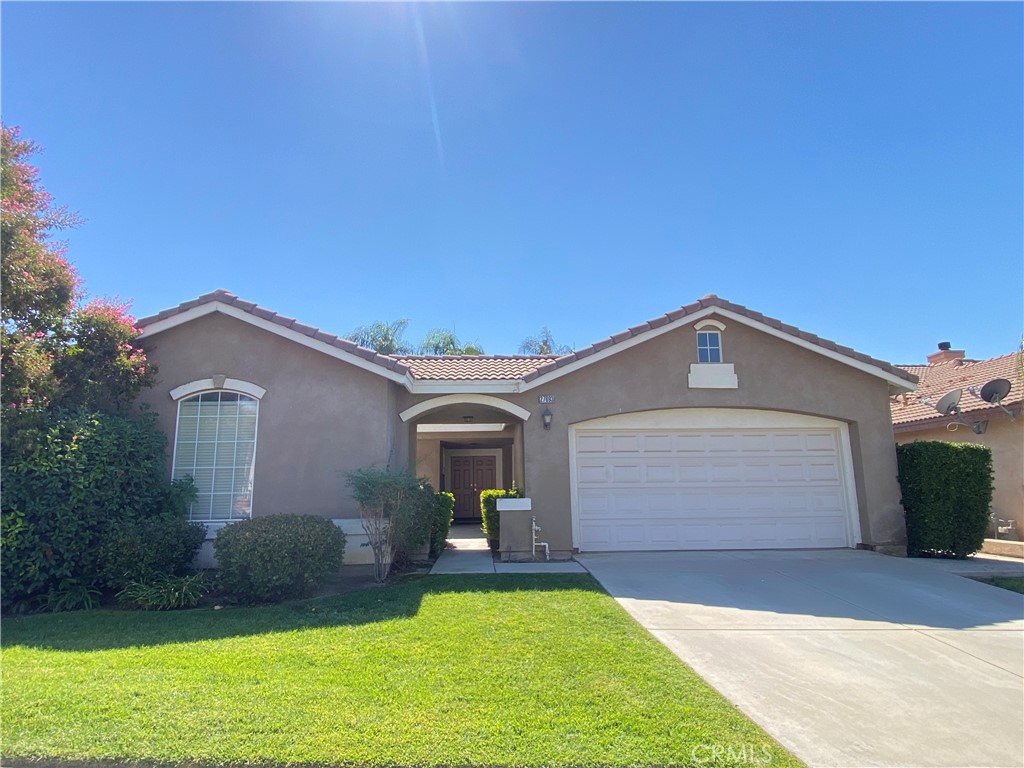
(709, 341)
(215, 445)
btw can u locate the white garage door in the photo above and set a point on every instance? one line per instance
(706, 488)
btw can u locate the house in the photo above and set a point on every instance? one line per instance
(710, 427)
(975, 421)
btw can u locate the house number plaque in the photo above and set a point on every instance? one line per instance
(546, 399)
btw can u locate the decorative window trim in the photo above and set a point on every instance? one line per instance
(212, 525)
(218, 381)
(708, 323)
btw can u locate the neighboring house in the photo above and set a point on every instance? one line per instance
(948, 370)
(710, 427)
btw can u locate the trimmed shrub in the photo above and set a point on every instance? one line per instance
(397, 512)
(267, 559)
(82, 478)
(444, 512)
(489, 512)
(947, 492)
(165, 593)
(146, 550)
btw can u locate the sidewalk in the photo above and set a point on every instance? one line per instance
(467, 552)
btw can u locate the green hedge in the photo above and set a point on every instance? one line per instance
(278, 557)
(82, 481)
(947, 492)
(489, 512)
(444, 511)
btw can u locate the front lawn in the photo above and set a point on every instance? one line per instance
(500, 670)
(1013, 583)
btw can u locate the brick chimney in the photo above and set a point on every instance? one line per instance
(945, 353)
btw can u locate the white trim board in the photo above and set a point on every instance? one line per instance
(202, 310)
(868, 368)
(515, 385)
(471, 399)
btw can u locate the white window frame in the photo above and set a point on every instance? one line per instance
(718, 375)
(710, 328)
(203, 386)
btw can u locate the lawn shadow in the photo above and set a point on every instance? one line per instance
(99, 630)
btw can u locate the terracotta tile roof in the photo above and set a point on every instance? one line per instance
(515, 367)
(225, 297)
(939, 378)
(477, 367)
(711, 300)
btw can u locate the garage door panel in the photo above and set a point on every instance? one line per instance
(707, 489)
(658, 444)
(591, 444)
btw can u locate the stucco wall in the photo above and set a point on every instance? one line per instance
(773, 374)
(1006, 439)
(319, 418)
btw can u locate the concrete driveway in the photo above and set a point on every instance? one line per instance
(846, 657)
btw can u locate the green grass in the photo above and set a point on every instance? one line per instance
(439, 671)
(1013, 583)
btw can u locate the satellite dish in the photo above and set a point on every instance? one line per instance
(948, 402)
(995, 390)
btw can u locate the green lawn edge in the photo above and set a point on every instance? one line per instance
(480, 670)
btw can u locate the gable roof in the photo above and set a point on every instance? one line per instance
(908, 412)
(512, 373)
(712, 304)
(229, 304)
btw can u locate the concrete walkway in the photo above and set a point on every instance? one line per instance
(848, 658)
(467, 552)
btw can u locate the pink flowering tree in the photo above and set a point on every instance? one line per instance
(56, 352)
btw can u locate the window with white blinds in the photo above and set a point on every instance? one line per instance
(215, 444)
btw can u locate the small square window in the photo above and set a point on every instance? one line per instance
(709, 347)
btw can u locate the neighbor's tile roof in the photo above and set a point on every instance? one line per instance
(515, 367)
(940, 378)
(291, 323)
(477, 367)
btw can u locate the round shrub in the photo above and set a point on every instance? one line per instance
(278, 557)
(147, 550)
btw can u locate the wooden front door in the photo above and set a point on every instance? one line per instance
(469, 476)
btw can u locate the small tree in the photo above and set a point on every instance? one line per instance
(543, 344)
(395, 509)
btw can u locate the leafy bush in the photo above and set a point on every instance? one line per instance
(77, 483)
(165, 593)
(947, 491)
(145, 550)
(444, 511)
(71, 595)
(489, 512)
(397, 512)
(273, 558)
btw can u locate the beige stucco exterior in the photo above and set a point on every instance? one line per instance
(322, 416)
(772, 375)
(1006, 439)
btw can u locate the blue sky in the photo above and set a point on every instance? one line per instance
(853, 169)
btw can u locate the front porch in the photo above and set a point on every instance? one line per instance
(467, 552)
(467, 444)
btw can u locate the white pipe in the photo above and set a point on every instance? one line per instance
(534, 530)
